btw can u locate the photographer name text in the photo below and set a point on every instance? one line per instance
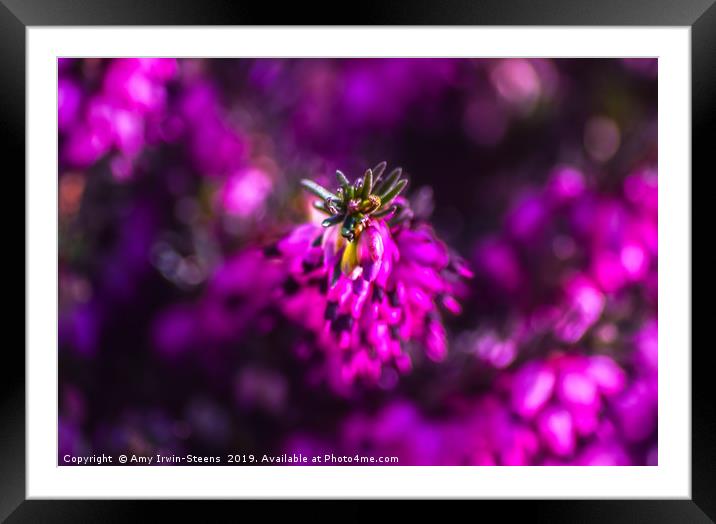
(238, 459)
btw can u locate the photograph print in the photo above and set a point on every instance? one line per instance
(357, 262)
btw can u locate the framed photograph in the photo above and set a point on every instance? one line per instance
(421, 254)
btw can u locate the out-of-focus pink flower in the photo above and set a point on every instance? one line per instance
(136, 82)
(235, 296)
(527, 217)
(582, 308)
(646, 341)
(565, 184)
(69, 97)
(245, 192)
(636, 410)
(604, 454)
(606, 374)
(131, 101)
(517, 81)
(532, 388)
(556, 429)
(497, 351)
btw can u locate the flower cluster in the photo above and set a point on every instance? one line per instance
(576, 355)
(563, 410)
(574, 263)
(370, 279)
(125, 112)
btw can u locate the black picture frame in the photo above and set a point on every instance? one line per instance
(700, 15)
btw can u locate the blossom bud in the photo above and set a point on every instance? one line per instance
(370, 245)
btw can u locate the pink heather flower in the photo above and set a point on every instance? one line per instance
(567, 396)
(556, 428)
(128, 82)
(370, 280)
(604, 454)
(565, 409)
(120, 117)
(583, 307)
(69, 97)
(532, 388)
(566, 183)
(235, 296)
(397, 430)
(527, 217)
(495, 350)
(607, 376)
(516, 81)
(647, 346)
(636, 410)
(245, 192)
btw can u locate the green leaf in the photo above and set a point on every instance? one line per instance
(384, 212)
(388, 182)
(317, 189)
(333, 206)
(378, 171)
(367, 183)
(393, 192)
(332, 221)
(342, 179)
(321, 206)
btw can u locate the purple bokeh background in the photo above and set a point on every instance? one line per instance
(178, 335)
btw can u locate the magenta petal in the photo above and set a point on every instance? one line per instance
(452, 305)
(298, 241)
(68, 103)
(566, 183)
(585, 418)
(636, 411)
(371, 270)
(604, 454)
(557, 431)
(436, 342)
(577, 388)
(583, 307)
(370, 245)
(422, 247)
(606, 374)
(532, 388)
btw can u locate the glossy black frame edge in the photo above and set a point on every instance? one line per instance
(16, 15)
